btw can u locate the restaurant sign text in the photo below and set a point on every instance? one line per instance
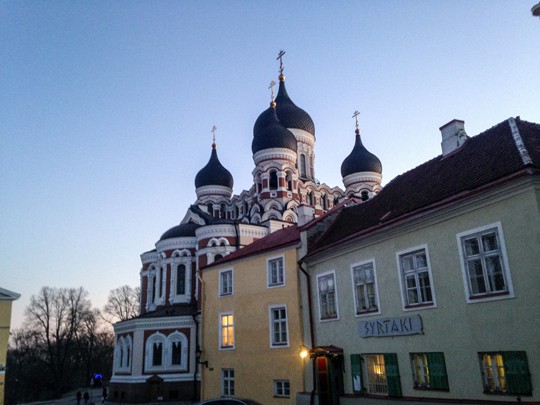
(406, 325)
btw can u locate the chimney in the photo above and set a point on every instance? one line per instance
(453, 136)
(305, 214)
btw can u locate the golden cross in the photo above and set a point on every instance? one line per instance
(355, 116)
(214, 134)
(280, 57)
(271, 87)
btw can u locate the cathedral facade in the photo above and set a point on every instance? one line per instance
(158, 353)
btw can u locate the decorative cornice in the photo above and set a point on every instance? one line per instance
(210, 231)
(176, 243)
(274, 154)
(149, 257)
(362, 177)
(133, 325)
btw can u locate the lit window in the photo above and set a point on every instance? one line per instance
(227, 382)
(365, 290)
(383, 374)
(429, 371)
(227, 331)
(327, 296)
(226, 282)
(282, 388)
(415, 278)
(506, 372)
(279, 328)
(485, 271)
(276, 275)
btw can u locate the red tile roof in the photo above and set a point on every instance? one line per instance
(482, 160)
(276, 240)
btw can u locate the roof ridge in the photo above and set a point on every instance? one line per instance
(518, 140)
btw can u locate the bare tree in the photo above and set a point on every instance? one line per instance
(122, 304)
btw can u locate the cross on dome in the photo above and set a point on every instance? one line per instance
(355, 116)
(214, 137)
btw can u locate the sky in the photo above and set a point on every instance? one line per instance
(107, 107)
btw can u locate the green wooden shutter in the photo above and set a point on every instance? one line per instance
(438, 378)
(356, 372)
(392, 375)
(517, 373)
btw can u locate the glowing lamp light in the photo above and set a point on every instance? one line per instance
(303, 352)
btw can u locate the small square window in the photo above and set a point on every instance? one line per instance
(282, 388)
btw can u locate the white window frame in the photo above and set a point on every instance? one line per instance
(499, 378)
(183, 340)
(492, 296)
(156, 337)
(375, 288)
(220, 331)
(282, 388)
(227, 382)
(319, 276)
(272, 325)
(403, 285)
(280, 283)
(222, 273)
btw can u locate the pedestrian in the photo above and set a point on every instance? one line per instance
(79, 395)
(86, 397)
(104, 395)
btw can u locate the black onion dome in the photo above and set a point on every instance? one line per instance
(289, 114)
(214, 174)
(269, 133)
(360, 160)
(182, 230)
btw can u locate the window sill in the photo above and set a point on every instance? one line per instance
(487, 296)
(419, 388)
(421, 305)
(368, 311)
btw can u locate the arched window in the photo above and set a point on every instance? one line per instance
(222, 210)
(181, 279)
(160, 282)
(177, 348)
(310, 198)
(153, 288)
(289, 181)
(365, 195)
(216, 257)
(324, 202)
(273, 180)
(155, 351)
(303, 167)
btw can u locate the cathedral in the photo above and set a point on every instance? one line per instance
(158, 353)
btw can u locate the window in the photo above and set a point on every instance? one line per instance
(273, 180)
(226, 282)
(276, 275)
(123, 353)
(429, 371)
(176, 353)
(227, 382)
(282, 388)
(226, 337)
(383, 374)
(181, 279)
(505, 373)
(324, 202)
(484, 263)
(415, 278)
(327, 296)
(364, 288)
(279, 327)
(303, 167)
(177, 350)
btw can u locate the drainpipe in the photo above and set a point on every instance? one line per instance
(198, 350)
(311, 332)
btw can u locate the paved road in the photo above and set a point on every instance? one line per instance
(95, 399)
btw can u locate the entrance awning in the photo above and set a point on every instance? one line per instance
(326, 351)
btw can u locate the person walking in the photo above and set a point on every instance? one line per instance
(79, 395)
(104, 395)
(86, 397)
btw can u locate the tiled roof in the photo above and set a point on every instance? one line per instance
(482, 160)
(278, 239)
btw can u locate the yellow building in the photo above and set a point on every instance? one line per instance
(252, 329)
(6, 298)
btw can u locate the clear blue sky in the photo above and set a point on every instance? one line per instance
(106, 108)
